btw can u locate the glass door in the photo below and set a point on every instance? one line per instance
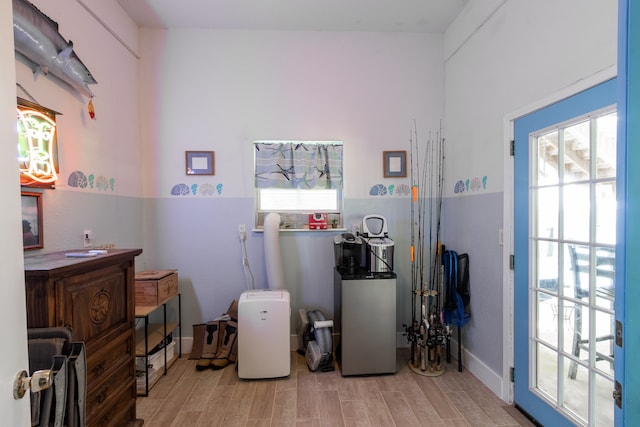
(565, 235)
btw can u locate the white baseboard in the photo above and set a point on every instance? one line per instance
(401, 340)
(187, 344)
(481, 371)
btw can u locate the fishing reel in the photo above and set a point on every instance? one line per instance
(412, 332)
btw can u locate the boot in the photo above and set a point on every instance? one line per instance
(210, 344)
(211, 337)
(226, 348)
(232, 311)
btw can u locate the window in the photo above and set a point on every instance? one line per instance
(296, 179)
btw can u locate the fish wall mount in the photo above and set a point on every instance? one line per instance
(38, 42)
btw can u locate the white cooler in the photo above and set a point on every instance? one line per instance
(264, 334)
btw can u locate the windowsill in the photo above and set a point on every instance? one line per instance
(304, 230)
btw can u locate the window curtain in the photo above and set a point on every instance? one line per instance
(298, 165)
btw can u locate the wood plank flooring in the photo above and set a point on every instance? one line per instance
(187, 397)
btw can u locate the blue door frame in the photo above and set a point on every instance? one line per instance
(582, 103)
(627, 265)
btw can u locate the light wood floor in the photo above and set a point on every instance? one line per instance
(187, 397)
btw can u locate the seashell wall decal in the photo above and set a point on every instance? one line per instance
(378, 190)
(77, 179)
(180, 190)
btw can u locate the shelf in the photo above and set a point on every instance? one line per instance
(142, 390)
(304, 230)
(155, 334)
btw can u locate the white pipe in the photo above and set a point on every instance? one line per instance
(272, 256)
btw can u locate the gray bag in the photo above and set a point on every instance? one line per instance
(62, 404)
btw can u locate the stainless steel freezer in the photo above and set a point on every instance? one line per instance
(365, 318)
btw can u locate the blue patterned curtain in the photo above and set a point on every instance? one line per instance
(298, 165)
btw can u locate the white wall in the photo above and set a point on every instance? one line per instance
(220, 90)
(502, 56)
(524, 52)
(108, 146)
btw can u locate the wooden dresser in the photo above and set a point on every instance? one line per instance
(95, 297)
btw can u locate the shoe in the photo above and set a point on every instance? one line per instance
(203, 364)
(211, 339)
(227, 350)
(219, 363)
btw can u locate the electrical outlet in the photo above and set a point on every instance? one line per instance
(87, 235)
(242, 228)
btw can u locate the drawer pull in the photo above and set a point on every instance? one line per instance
(99, 368)
(102, 396)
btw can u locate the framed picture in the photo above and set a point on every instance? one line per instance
(32, 221)
(394, 164)
(200, 162)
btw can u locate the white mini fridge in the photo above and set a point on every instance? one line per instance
(264, 334)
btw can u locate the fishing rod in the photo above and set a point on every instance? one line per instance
(414, 327)
(440, 197)
(413, 201)
(425, 251)
(426, 333)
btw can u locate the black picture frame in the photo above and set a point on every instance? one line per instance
(394, 164)
(32, 230)
(200, 162)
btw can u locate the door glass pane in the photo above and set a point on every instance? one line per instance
(547, 266)
(576, 393)
(547, 218)
(606, 212)
(606, 135)
(547, 378)
(547, 159)
(576, 207)
(577, 336)
(604, 348)
(576, 271)
(604, 408)
(577, 152)
(568, 308)
(547, 330)
(605, 277)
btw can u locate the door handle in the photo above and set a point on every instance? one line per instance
(40, 380)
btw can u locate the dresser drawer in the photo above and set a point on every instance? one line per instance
(93, 303)
(103, 361)
(118, 412)
(109, 391)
